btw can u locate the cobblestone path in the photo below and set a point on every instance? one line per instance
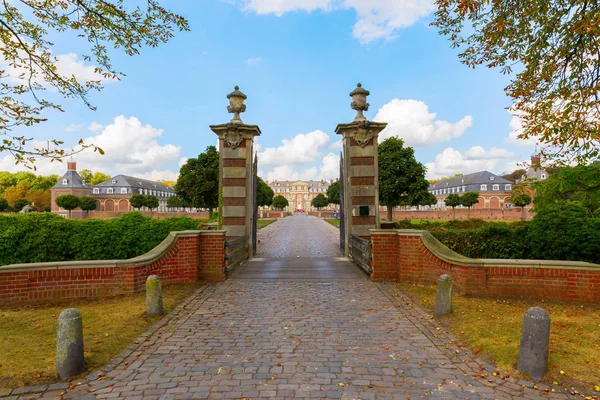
(298, 236)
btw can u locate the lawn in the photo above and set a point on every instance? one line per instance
(261, 223)
(492, 328)
(333, 221)
(28, 345)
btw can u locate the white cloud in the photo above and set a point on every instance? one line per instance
(450, 161)
(73, 127)
(329, 169)
(163, 175)
(130, 147)
(412, 121)
(376, 19)
(95, 127)
(516, 127)
(302, 148)
(253, 61)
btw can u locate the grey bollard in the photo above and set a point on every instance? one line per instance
(443, 296)
(69, 344)
(154, 303)
(535, 340)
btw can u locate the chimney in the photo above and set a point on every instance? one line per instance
(71, 165)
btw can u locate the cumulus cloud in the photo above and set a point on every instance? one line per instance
(516, 127)
(302, 148)
(376, 19)
(329, 169)
(73, 127)
(412, 121)
(253, 61)
(95, 127)
(451, 161)
(130, 147)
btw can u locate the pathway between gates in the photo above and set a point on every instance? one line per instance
(296, 327)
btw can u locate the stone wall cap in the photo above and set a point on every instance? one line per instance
(254, 129)
(383, 232)
(356, 124)
(48, 266)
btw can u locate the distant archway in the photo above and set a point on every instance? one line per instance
(123, 205)
(109, 205)
(494, 202)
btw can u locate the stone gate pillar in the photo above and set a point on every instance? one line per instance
(361, 172)
(236, 152)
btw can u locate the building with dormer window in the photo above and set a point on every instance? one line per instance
(301, 193)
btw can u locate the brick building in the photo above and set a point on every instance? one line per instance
(301, 193)
(70, 183)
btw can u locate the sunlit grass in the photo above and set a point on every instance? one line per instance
(333, 221)
(261, 223)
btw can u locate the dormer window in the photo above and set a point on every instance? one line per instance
(96, 191)
(123, 190)
(491, 178)
(496, 187)
(65, 182)
(141, 191)
(507, 187)
(483, 187)
(114, 181)
(543, 176)
(109, 191)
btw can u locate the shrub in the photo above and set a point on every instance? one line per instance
(28, 238)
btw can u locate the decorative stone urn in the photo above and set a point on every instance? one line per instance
(236, 105)
(359, 102)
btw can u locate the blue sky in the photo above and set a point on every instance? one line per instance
(297, 61)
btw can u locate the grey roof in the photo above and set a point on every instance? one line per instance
(133, 182)
(323, 184)
(74, 181)
(482, 177)
(534, 173)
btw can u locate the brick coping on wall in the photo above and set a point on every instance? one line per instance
(416, 256)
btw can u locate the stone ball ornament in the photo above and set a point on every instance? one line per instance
(359, 102)
(236, 104)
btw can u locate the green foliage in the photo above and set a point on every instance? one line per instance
(27, 35)
(97, 178)
(567, 233)
(3, 205)
(138, 201)
(570, 184)
(320, 201)
(68, 202)
(401, 177)
(27, 238)
(520, 199)
(151, 202)
(280, 202)
(20, 203)
(516, 174)
(174, 202)
(469, 199)
(87, 203)
(264, 196)
(198, 181)
(333, 193)
(453, 200)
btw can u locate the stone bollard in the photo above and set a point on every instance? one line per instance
(443, 296)
(535, 339)
(69, 344)
(154, 304)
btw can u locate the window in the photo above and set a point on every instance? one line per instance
(483, 187)
(145, 191)
(109, 191)
(543, 176)
(491, 178)
(65, 182)
(114, 181)
(464, 188)
(507, 187)
(141, 191)
(123, 190)
(496, 187)
(96, 191)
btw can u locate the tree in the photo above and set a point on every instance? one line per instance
(20, 203)
(174, 202)
(3, 205)
(97, 178)
(401, 177)
(33, 63)
(86, 175)
(333, 193)
(19, 191)
(320, 201)
(198, 181)
(453, 200)
(280, 202)
(87, 204)
(40, 198)
(515, 175)
(554, 45)
(67, 201)
(138, 201)
(520, 200)
(468, 200)
(151, 202)
(264, 195)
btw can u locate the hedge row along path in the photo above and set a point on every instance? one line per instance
(344, 337)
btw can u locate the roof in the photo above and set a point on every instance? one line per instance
(131, 181)
(74, 181)
(469, 179)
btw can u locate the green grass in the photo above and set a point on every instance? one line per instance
(28, 345)
(494, 327)
(261, 223)
(333, 221)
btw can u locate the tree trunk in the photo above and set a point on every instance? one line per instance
(523, 212)
(390, 212)
(453, 212)
(469, 213)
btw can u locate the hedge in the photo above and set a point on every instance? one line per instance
(29, 238)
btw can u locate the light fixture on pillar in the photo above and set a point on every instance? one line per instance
(236, 105)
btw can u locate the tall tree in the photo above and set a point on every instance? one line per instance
(87, 204)
(401, 177)
(520, 200)
(67, 201)
(151, 202)
(35, 65)
(319, 201)
(333, 193)
(280, 202)
(174, 202)
(198, 181)
(468, 200)
(19, 191)
(553, 44)
(453, 200)
(264, 195)
(137, 201)
(98, 177)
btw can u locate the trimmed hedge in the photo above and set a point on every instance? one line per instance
(28, 238)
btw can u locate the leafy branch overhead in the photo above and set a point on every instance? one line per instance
(553, 47)
(29, 66)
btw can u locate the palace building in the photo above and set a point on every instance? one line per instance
(300, 193)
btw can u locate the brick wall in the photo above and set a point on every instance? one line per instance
(157, 215)
(494, 213)
(182, 257)
(417, 257)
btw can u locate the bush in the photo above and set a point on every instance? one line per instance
(568, 233)
(28, 238)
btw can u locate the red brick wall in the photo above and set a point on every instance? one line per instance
(414, 262)
(504, 213)
(190, 257)
(157, 215)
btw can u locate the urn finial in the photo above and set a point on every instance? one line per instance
(359, 102)
(236, 105)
